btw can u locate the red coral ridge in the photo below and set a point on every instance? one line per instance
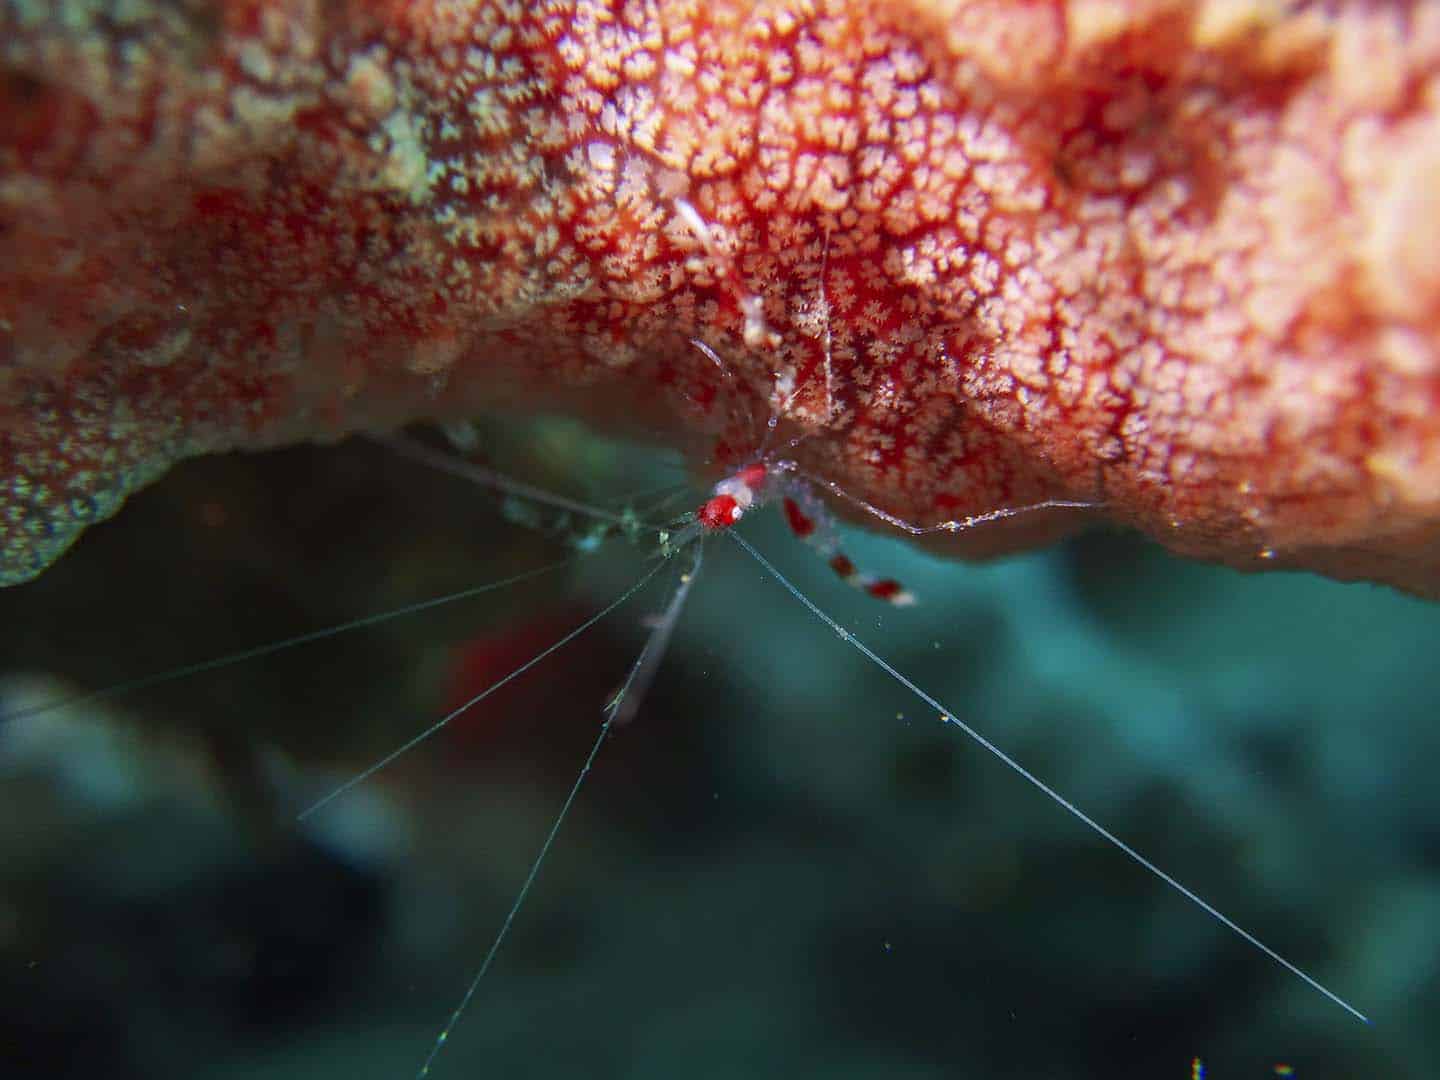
(1176, 259)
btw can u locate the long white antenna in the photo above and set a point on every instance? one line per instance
(1100, 830)
(256, 651)
(478, 474)
(957, 525)
(640, 674)
(410, 744)
(829, 340)
(626, 703)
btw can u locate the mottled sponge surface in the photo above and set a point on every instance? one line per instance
(1178, 260)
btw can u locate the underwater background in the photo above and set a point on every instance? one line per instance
(786, 866)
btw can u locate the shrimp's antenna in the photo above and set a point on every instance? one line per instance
(782, 406)
(713, 357)
(661, 494)
(438, 725)
(478, 474)
(255, 652)
(617, 710)
(971, 521)
(626, 703)
(679, 492)
(829, 339)
(949, 717)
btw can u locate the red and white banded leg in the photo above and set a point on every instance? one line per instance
(810, 521)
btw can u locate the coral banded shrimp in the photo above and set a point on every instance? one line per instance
(760, 483)
(772, 867)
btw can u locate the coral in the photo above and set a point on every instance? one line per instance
(1175, 259)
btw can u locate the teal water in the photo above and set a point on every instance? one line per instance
(785, 867)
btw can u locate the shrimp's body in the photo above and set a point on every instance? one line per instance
(759, 483)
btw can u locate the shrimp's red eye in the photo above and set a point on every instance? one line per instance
(720, 512)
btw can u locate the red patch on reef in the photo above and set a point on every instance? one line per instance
(535, 699)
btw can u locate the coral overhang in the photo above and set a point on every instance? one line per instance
(1180, 260)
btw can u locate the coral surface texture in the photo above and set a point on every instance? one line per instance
(1178, 260)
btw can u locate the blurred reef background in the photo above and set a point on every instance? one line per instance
(786, 867)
